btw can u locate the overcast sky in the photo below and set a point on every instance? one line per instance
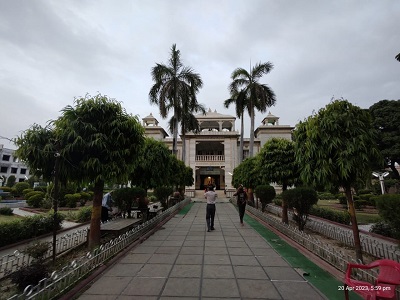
(53, 51)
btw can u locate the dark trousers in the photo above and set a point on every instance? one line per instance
(104, 214)
(210, 214)
(242, 209)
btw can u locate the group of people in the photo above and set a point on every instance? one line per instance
(211, 196)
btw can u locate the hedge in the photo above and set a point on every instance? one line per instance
(335, 216)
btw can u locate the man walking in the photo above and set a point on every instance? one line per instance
(211, 196)
(106, 206)
(241, 202)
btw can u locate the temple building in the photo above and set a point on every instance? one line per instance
(213, 153)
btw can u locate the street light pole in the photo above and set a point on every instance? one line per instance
(381, 177)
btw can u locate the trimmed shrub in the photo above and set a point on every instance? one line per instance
(41, 188)
(326, 196)
(342, 200)
(266, 193)
(359, 204)
(126, 198)
(6, 211)
(20, 187)
(84, 198)
(335, 216)
(71, 199)
(162, 193)
(365, 191)
(6, 189)
(84, 214)
(385, 229)
(26, 191)
(388, 206)
(277, 201)
(35, 200)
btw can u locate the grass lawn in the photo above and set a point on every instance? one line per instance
(364, 216)
(5, 219)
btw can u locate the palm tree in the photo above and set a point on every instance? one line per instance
(259, 96)
(173, 84)
(239, 98)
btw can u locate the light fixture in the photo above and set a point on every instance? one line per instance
(381, 177)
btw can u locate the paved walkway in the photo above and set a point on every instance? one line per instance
(184, 261)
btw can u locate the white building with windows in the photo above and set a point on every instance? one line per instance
(11, 165)
(213, 153)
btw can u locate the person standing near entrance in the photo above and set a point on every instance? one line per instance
(241, 202)
(106, 206)
(211, 197)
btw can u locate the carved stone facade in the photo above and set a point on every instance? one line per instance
(213, 153)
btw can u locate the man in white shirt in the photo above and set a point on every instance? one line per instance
(211, 197)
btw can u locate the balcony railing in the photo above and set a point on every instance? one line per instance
(210, 157)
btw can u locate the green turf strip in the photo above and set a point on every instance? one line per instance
(320, 278)
(185, 209)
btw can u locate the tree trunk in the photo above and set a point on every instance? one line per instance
(241, 138)
(175, 136)
(285, 218)
(94, 235)
(354, 225)
(183, 147)
(251, 150)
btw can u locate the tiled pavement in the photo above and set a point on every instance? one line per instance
(184, 261)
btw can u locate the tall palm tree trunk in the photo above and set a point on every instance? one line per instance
(241, 138)
(251, 150)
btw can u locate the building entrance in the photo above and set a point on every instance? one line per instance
(210, 175)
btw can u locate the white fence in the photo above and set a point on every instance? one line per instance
(369, 243)
(59, 282)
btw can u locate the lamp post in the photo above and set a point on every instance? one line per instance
(381, 177)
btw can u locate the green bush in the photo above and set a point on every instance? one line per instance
(266, 193)
(84, 198)
(335, 216)
(6, 189)
(6, 211)
(326, 196)
(365, 191)
(126, 198)
(367, 199)
(278, 201)
(385, 229)
(26, 191)
(26, 228)
(388, 206)
(35, 200)
(72, 199)
(41, 188)
(20, 187)
(342, 200)
(359, 204)
(84, 214)
(162, 193)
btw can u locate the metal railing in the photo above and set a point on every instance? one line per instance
(369, 244)
(14, 261)
(59, 282)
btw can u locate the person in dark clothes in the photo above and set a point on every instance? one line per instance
(241, 202)
(106, 206)
(211, 197)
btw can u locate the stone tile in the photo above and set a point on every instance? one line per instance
(189, 259)
(241, 260)
(215, 250)
(186, 271)
(217, 260)
(109, 286)
(234, 238)
(218, 271)
(98, 297)
(155, 243)
(271, 261)
(234, 244)
(250, 272)
(135, 258)
(144, 249)
(144, 286)
(163, 249)
(220, 288)
(290, 290)
(240, 251)
(259, 289)
(283, 273)
(194, 238)
(124, 270)
(122, 297)
(155, 270)
(159, 258)
(192, 250)
(194, 243)
(215, 244)
(182, 287)
(169, 243)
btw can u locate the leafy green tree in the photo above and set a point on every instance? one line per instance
(266, 193)
(181, 175)
(302, 200)
(240, 101)
(334, 148)
(259, 96)
(386, 119)
(247, 174)
(277, 163)
(11, 181)
(174, 85)
(37, 148)
(154, 164)
(100, 143)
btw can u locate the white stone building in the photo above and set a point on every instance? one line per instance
(213, 153)
(11, 165)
